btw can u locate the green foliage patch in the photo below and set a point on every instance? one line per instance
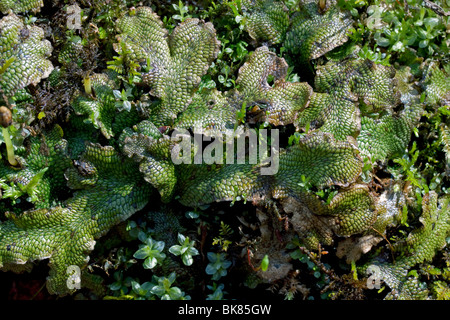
(356, 96)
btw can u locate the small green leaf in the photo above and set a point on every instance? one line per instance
(175, 249)
(422, 33)
(158, 290)
(141, 253)
(41, 115)
(127, 105)
(265, 263)
(150, 263)
(117, 94)
(102, 34)
(181, 238)
(192, 214)
(422, 97)
(431, 22)
(115, 286)
(135, 286)
(159, 245)
(423, 43)
(398, 46)
(381, 290)
(6, 64)
(382, 41)
(192, 251)
(175, 293)
(355, 273)
(413, 273)
(187, 259)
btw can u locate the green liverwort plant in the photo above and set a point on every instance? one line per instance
(151, 251)
(185, 249)
(218, 265)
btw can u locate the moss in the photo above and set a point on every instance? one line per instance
(95, 142)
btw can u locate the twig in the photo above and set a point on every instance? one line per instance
(436, 8)
(318, 263)
(390, 245)
(36, 293)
